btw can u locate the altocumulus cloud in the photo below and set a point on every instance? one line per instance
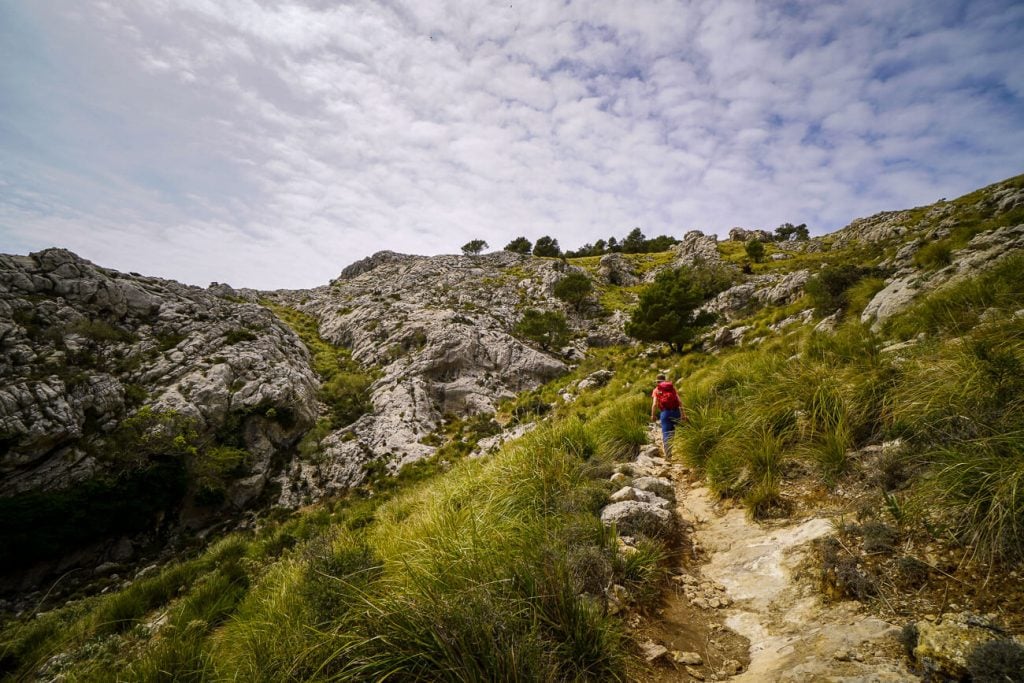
(269, 144)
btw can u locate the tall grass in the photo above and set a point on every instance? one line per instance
(622, 428)
(957, 307)
(981, 484)
(495, 571)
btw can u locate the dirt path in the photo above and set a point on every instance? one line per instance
(793, 636)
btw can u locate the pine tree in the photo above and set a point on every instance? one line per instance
(667, 311)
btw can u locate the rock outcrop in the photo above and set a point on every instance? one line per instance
(745, 235)
(440, 331)
(84, 347)
(614, 269)
(696, 248)
(983, 251)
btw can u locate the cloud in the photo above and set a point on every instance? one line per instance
(270, 144)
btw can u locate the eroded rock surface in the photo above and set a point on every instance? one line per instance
(84, 347)
(440, 330)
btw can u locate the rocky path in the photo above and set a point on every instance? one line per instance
(793, 636)
(745, 606)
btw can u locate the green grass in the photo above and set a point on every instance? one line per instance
(493, 570)
(957, 307)
(346, 383)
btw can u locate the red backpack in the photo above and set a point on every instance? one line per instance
(667, 397)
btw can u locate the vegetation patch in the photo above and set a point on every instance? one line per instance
(345, 384)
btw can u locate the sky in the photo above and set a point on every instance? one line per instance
(269, 143)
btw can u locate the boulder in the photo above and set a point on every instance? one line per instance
(615, 269)
(595, 380)
(695, 248)
(657, 485)
(636, 517)
(785, 291)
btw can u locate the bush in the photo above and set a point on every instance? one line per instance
(828, 289)
(934, 255)
(473, 247)
(347, 395)
(997, 661)
(755, 250)
(546, 328)
(573, 289)
(667, 311)
(232, 337)
(547, 246)
(519, 245)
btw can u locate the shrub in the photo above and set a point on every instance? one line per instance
(828, 289)
(841, 575)
(755, 250)
(232, 337)
(934, 255)
(997, 661)
(473, 247)
(347, 395)
(667, 311)
(98, 330)
(546, 246)
(546, 328)
(573, 289)
(519, 245)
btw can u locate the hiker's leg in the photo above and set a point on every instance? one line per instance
(668, 426)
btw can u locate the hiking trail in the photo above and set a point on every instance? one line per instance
(740, 577)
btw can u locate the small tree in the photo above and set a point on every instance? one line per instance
(788, 231)
(828, 289)
(574, 289)
(519, 245)
(547, 246)
(634, 243)
(547, 328)
(667, 311)
(755, 250)
(474, 247)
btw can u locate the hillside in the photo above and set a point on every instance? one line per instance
(385, 477)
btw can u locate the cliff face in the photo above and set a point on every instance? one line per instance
(226, 388)
(439, 331)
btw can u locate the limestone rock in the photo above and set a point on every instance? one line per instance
(745, 235)
(944, 645)
(785, 291)
(983, 251)
(690, 658)
(439, 329)
(631, 517)
(615, 269)
(695, 248)
(595, 380)
(652, 651)
(625, 493)
(657, 485)
(84, 347)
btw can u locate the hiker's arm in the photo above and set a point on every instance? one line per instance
(654, 408)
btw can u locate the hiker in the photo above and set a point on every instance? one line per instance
(665, 407)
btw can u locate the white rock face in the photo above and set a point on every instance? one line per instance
(695, 248)
(983, 251)
(614, 269)
(440, 330)
(632, 517)
(84, 346)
